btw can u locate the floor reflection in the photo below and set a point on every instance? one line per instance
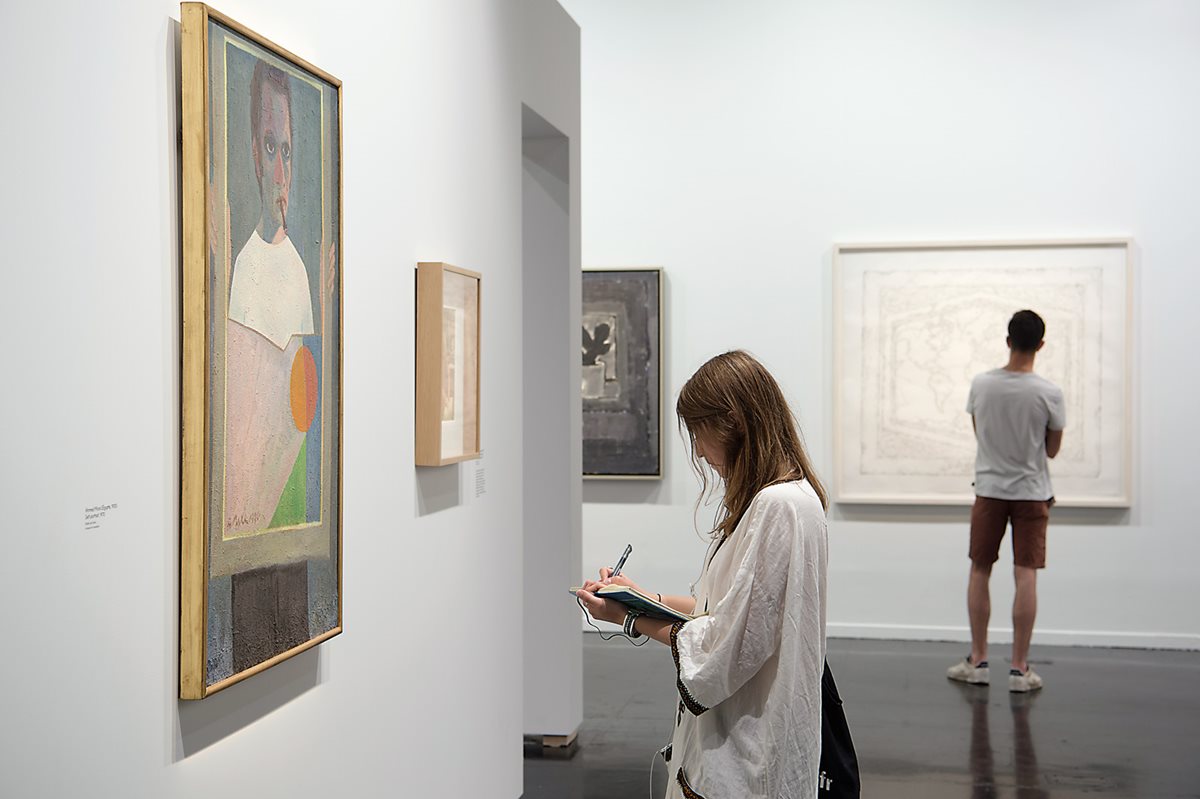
(1029, 779)
(981, 758)
(1125, 725)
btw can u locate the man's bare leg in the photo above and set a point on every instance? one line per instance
(979, 609)
(1023, 614)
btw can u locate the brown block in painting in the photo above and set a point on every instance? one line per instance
(270, 612)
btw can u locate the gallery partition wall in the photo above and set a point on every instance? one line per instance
(553, 657)
(93, 469)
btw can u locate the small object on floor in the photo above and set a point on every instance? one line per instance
(552, 747)
(968, 672)
(1019, 683)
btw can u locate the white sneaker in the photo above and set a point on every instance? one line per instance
(968, 672)
(1019, 683)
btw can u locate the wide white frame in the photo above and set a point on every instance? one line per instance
(906, 314)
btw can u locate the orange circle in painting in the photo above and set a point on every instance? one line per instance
(304, 389)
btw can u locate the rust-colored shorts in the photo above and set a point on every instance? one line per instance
(990, 518)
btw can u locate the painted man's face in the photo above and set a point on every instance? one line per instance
(273, 153)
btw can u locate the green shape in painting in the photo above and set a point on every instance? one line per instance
(290, 510)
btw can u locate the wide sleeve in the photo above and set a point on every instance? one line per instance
(718, 653)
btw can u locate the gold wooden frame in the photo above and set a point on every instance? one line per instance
(195, 489)
(431, 287)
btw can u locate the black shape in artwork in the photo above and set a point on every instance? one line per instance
(596, 343)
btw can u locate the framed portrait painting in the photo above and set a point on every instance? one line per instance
(915, 323)
(621, 383)
(261, 533)
(447, 401)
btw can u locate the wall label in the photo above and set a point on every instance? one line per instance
(480, 477)
(95, 516)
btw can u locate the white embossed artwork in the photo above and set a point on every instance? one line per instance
(917, 324)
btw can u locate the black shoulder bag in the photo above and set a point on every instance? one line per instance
(839, 764)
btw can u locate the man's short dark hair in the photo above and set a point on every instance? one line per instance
(274, 77)
(1025, 331)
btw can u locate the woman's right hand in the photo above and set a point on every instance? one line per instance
(606, 578)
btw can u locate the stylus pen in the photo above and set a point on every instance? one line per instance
(621, 562)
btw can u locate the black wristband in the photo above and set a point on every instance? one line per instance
(630, 620)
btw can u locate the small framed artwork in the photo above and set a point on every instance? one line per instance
(914, 324)
(622, 373)
(261, 531)
(447, 402)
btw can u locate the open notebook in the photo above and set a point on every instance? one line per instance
(638, 601)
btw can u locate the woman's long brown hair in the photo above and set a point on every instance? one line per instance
(734, 401)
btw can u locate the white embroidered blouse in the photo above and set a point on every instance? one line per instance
(749, 717)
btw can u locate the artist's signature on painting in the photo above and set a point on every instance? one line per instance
(244, 520)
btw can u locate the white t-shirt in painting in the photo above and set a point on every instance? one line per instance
(270, 292)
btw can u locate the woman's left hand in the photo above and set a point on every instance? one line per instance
(608, 610)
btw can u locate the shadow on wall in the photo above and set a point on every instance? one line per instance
(204, 722)
(438, 488)
(622, 492)
(961, 514)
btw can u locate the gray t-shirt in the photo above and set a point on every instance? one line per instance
(1013, 411)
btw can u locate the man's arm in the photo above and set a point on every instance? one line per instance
(1053, 442)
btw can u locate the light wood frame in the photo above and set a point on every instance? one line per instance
(196, 482)
(430, 375)
(658, 374)
(1121, 495)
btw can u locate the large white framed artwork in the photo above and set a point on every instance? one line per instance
(914, 323)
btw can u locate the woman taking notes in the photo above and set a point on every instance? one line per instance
(749, 666)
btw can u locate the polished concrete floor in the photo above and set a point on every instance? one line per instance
(1109, 723)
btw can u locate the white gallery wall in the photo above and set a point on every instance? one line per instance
(734, 144)
(553, 444)
(422, 675)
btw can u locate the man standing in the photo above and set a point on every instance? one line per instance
(1018, 418)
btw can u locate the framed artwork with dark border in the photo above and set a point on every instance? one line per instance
(261, 521)
(621, 382)
(447, 401)
(915, 323)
